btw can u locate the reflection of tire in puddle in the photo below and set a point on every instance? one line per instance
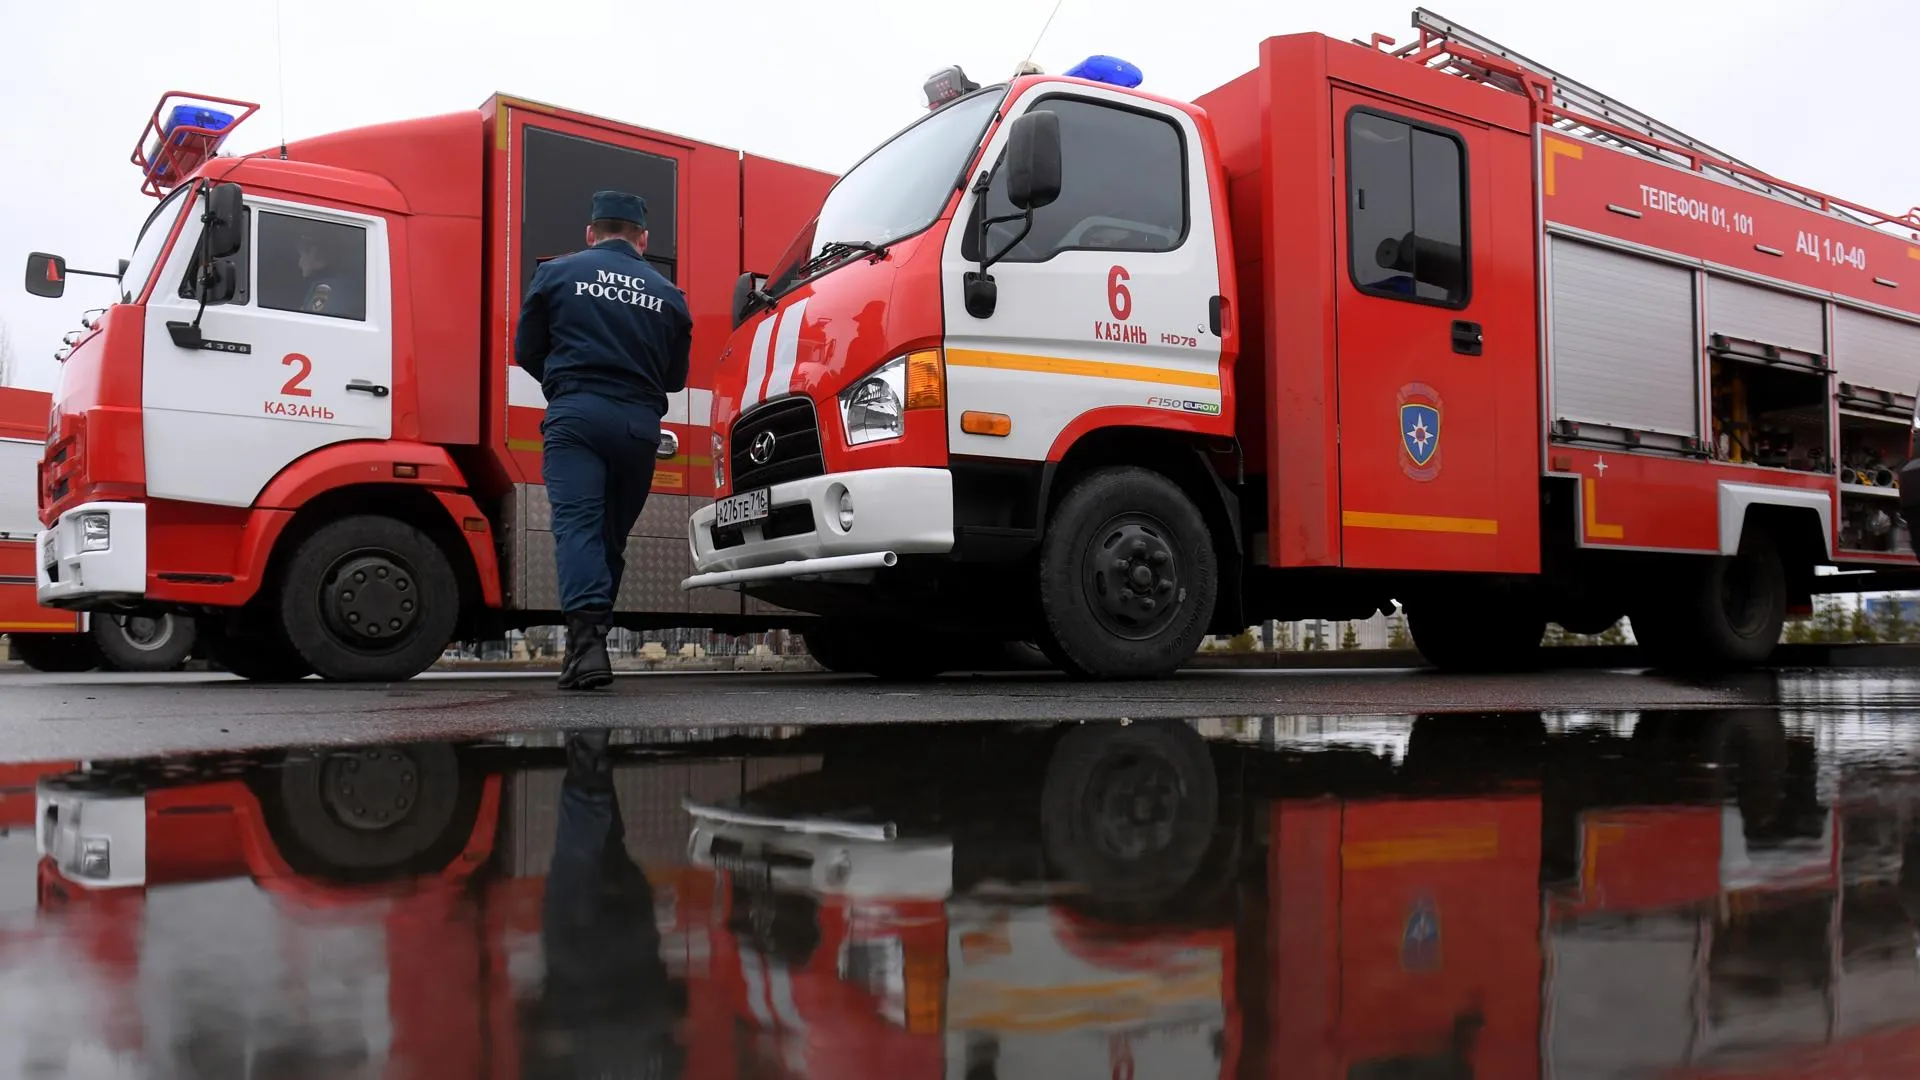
(376, 810)
(1128, 811)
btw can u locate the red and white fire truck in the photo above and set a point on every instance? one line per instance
(342, 491)
(1430, 323)
(47, 638)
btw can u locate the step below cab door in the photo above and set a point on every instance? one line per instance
(1439, 445)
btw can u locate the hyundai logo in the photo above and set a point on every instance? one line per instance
(761, 451)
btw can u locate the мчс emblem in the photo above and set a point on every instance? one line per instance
(760, 451)
(1419, 431)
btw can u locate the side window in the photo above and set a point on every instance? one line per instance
(1406, 211)
(311, 266)
(1124, 187)
(242, 265)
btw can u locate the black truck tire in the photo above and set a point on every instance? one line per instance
(375, 809)
(1729, 614)
(369, 599)
(141, 642)
(1128, 812)
(64, 654)
(1128, 576)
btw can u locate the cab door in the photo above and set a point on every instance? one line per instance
(1434, 349)
(1108, 304)
(300, 358)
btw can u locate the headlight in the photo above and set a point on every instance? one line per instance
(96, 532)
(719, 461)
(872, 410)
(96, 857)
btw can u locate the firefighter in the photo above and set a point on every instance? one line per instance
(608, 337)
(324, 283)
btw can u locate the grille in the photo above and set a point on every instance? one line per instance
(796, 445)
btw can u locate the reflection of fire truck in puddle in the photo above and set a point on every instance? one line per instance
(1091, 900)
(932, 944)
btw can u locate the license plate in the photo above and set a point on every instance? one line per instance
(742, 509)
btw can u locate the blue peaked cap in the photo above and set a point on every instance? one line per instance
(619, 206)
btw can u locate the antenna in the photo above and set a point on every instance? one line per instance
(1027, 63)
(280, 73)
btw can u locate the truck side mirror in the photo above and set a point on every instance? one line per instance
(46, 275)
(747, 296)
(1032, 164)
(1033, 160)
(224, 211)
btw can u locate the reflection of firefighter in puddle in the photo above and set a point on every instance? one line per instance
(607, 1007)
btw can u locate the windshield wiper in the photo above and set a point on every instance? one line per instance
(835, 249)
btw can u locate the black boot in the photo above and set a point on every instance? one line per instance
(588, 766)
(586, 666)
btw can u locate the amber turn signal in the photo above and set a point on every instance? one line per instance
(926, 380)
(986, 423)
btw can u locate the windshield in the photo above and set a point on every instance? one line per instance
(898, 189)
(153, 237)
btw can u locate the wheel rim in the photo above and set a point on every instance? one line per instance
(370, 601)
(1747, 596)
(1133, 801)
(1132, 576)
(145, 634)
(369, 790)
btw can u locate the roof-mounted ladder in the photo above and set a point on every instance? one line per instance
(1566, 96)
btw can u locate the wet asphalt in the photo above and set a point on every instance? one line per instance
(1379, 875)
(43, 716)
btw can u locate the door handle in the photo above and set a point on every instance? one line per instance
(1466, 337)
(365, 387)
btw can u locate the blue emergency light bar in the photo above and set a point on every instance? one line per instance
(185, 123)
(1106, 69)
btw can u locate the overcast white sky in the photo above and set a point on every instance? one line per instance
(1815, 94)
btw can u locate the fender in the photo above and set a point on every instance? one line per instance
(478, 532)
(1131, 416)
(344, 464)
(1138, 416)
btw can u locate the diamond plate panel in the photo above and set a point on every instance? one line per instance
(664, 516)
(531, 510)
(534, 572)
(655, 569)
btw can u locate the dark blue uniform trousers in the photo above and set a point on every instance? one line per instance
(598, 463)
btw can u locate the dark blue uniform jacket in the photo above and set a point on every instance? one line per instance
(605, 323)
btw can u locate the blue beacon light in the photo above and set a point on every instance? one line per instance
(1106, 69)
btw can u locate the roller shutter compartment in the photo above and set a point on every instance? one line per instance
(1876, 352)
(1623, 342)
(1763, 316)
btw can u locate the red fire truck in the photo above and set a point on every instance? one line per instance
(1431, 323)
(343, 491)
(47, 638)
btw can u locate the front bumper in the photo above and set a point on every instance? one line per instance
(66, 575)
(895, 512)
(96, 839)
